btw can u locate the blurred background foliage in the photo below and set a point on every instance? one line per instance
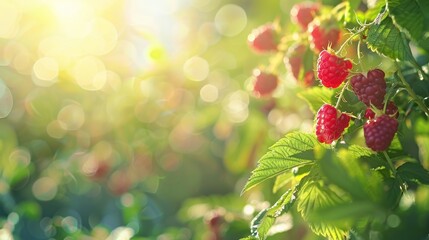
(133, 119)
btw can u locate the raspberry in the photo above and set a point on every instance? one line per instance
(263, 39)
(370, 89)
(331, 69)
(323, 33)
(391, 110)
(293, 60)
(303, 13)
(330, 124)
(379, 132)
(309, 79)
(264, 83)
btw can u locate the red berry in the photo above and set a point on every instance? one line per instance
(309, 79)
(303, 13)
(391, 111)
(379, 132)
(331, 69)
(330, 124)
(263, 39)
(264, 83)
(371, 89)
(293, 60)
(323, 34)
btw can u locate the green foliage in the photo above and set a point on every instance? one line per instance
(385, 38)
(294, 150)
(408, 16)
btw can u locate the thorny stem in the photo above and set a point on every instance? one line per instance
(411, 92)
(362, 29)
(341, 95)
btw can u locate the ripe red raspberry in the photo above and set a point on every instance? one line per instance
(391, 111)
(379, 132)
(303, 13)
(330, 124)
(263, 39)
(323, 33)
(264, 83)
(331, 69)
(370, 89)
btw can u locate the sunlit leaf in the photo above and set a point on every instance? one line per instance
(385, 38)
(317, 96)
(313, 196)
(408, 16)
(262, 223)
(282, 157)
(353, 176)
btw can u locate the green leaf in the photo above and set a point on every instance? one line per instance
(284, 155)
(344, 212)
(317, 96)
(313, 196)
(385, 38)
(353, 176)
(282, 180)
(413, 172)
(408, 16)
(262, 222)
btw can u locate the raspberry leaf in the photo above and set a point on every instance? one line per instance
(313, 196)
(408, 16)
(294, 150)
(316, 97)
(262, 222)
(413, 172)
(385, 38)
(351, 175)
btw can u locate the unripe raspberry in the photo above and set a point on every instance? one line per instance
(331, 69)
(330, 124)
(322, 34)
(264, 83)
(370, 89)
(379, 132)
(263, 39)
(303, 13)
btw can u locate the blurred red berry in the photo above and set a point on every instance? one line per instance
(331, 69)
(323, 33)
(330, 124)
(264, 83)
(263, 39)
(309, 79)
(294, 60)
(303, 13)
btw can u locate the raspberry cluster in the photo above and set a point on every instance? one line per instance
(381, 127)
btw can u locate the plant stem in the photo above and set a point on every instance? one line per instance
(360, 56)
(341, 95)
(410, 91)
(389, 161)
